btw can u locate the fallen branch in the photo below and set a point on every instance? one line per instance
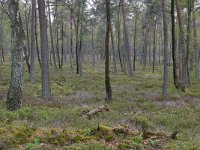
(96, 111)
(58, 83)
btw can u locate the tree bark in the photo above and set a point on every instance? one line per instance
(15, 90)
(77, 40)
(134, 43)
(174, 51)
(154, 48)
(107, 71)
(165, 29)
(119, 38)
(46, 90)
(186, 78)
(126, 40)
(36, 41)
(182, 50)
(113, 50)
(52, 42)
(93, 49)
(32, 64)
(196, 47)
(27, 48)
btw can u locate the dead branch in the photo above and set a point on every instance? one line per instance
(97, 111)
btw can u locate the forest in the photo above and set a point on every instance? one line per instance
(99, 75)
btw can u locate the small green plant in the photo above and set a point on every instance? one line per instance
(30, 145)
(36, 141)
(137, 140)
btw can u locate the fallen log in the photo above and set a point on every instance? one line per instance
(97, 111)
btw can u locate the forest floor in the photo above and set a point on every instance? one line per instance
(138, 117)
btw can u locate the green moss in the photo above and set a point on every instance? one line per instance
(129, 107)
(123, 146)
(144, 122)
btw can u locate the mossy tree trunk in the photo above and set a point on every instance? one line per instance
(15, 90)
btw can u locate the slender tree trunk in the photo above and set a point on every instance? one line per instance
(15, 90)
(107, 72)
(126, 40)
(174, 51)
(187, 55)
(32, 65)
(182, 49)
(160, 46)
(80, 49)
(77, 41)
(134, 43)
(165, 29)
(149, 48)
(154, 48)
(2, 48)
(144, 57)
(62, 44)
(36, 41)
(196, 47)
(93, 49)
(119, 37)
(52, 42)
(113, 50)
(27, 48)
(46, 89)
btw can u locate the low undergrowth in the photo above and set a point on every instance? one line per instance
(137, 107)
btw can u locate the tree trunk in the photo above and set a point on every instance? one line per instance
(46, 90)
(165, 29)
(15, 90)
(36, 41)
(174, 52)
(119, 38)
(80, 49)
(144, 57)
(32, 65)
(154, 48)
(93, 49)
(2, 47)
(182, 49)
(62, 44)
(126, 40)
(196, 47)
(52, 42)
(113, 50)
(77, 41)
(134, 43)
(27, 48)
(186, 75)
(107, 72)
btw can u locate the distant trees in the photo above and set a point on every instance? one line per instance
(135, 33)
